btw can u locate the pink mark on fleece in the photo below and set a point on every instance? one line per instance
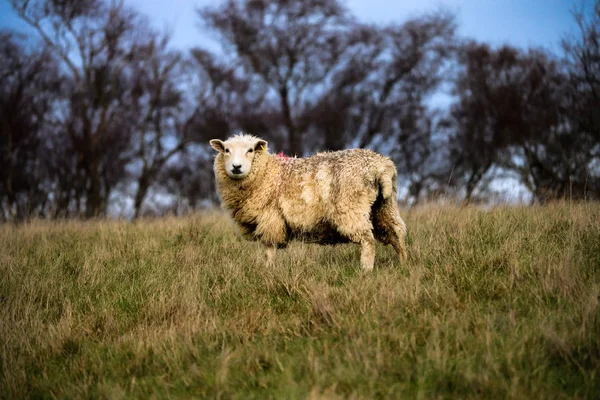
(285, 158)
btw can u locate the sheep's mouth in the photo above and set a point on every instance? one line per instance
(236, 174)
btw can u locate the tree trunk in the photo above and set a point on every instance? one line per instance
(140, 195)
(10, 194)
(93, 206)
(471, 185)
(294, 137)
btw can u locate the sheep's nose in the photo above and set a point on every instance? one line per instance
(236, 168)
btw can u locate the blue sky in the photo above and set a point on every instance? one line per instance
(521, 23)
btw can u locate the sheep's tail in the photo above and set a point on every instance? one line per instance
(388, 185)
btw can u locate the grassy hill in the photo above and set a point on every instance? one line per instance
(491, 304)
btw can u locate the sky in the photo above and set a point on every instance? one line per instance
(522, 23)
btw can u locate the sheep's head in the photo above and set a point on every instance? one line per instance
(238, 152)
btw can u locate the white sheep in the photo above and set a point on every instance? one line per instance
(328, 198)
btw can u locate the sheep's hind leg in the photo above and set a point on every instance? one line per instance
(397, 238)
(398, 245)
(359, 230)
(390, 228)
(367, 252)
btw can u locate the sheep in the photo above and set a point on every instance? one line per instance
(327, 198)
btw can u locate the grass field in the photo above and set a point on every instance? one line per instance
(491, 304)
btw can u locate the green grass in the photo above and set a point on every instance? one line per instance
(491, 304)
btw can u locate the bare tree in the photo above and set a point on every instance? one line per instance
(488, 93)
(191, 180)
(514, 112)
(226, 98)
(380, 91)
(292, 47)
(582, 55)
(30, 83)
(158, 95)
(96, 44)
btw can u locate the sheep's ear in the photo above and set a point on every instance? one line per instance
(218, 145)
(261, 145)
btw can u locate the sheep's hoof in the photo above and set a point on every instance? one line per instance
(367, 265)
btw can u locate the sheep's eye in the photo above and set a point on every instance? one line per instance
(226, 150)
(250, 151)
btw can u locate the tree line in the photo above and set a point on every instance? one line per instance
(99, 112)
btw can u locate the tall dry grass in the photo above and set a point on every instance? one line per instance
(498, 303)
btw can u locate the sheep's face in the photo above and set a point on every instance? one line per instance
(238, 153)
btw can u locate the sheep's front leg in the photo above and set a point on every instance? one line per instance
(367, 252)
(271, 253)
(272, 232)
